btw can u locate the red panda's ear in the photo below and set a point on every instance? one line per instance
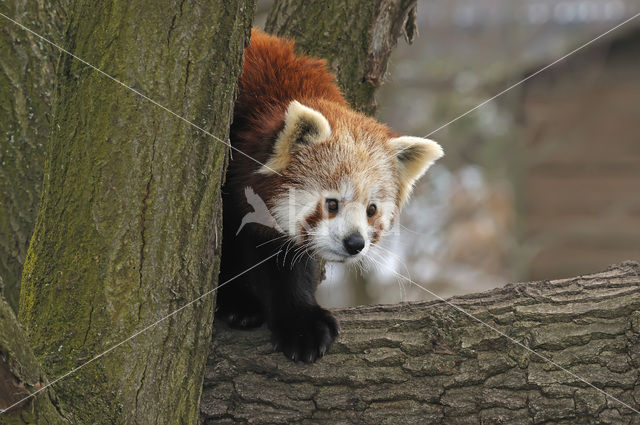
(302, 126)
(414, 155)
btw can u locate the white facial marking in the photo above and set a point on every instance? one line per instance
(291, 208)
(294, 210)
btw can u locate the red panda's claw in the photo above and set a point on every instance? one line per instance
(306, 337)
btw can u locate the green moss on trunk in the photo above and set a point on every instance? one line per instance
(26, 88)
(20, 375)
(129, 225)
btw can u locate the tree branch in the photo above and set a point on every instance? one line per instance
(429, 363)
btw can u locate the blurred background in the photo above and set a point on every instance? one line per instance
(541, 183)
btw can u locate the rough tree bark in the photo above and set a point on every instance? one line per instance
(427, 363)
(355, 36)
(27, 71)
(129, 225)
(20, 375)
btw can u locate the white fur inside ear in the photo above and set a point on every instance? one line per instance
(302, 126)
(415, 155)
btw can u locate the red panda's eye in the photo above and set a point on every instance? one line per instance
(332, 205)
(372, 210)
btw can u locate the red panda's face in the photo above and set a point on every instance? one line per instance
(341, 185)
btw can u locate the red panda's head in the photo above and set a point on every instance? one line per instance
(342, 177)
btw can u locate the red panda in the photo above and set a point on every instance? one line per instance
(327, 180)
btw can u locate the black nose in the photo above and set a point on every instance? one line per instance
(354, 243)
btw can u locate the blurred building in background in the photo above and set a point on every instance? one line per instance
(580, 194)
(540, 183)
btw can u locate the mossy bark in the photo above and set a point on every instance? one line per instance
(128, 229)
(27, 76)
(355, 36)
(427, 363)
(20, 375)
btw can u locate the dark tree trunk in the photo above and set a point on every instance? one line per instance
(128, 229)
(428, 363)
(355, 36)
(20, 375)
(27, 77)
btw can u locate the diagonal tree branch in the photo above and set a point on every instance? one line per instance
(428, 363)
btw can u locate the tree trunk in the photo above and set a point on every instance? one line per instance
(26, 87)
(428, 363)
(128, 229)
(20, 375)
(355, 36)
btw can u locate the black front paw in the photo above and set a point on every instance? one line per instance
(305, 336)
(240, 315)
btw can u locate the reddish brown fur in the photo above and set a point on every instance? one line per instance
(312, 220)
(273, 76)
(271, 59)
(318, 148)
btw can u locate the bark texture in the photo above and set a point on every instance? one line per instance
(427, 363)
(27, 71)
(20, 375)
(355, 36)
(129, 224)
